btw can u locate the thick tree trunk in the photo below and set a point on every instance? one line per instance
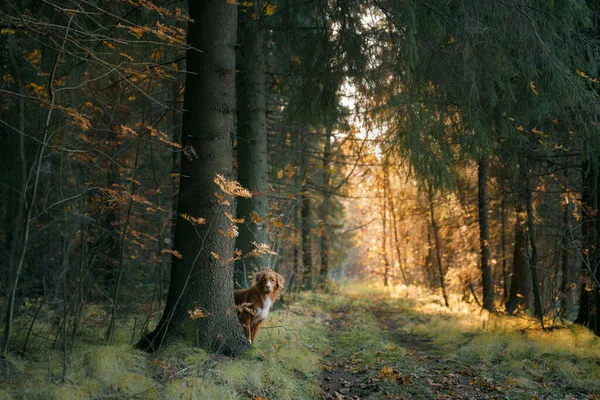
(202, 279)
(252, 143)
(487, 277)
(438, 249)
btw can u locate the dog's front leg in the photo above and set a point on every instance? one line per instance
(246, 324)
(254, 330)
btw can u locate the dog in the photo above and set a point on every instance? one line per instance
(253, 304)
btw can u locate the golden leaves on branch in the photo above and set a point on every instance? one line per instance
(163, 137)
(171, 35)
(234, 220)
(193, 220)
(174, 253)
(127, 131)
(198, 313)
(232, 232)
(127, 56)
(231, 187)
(77, 119)
(260, 250)
(163, 12)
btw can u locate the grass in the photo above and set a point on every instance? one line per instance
(284, 363)
(513, 351)
(296, 344)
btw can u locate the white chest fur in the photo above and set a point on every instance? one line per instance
(263, 313)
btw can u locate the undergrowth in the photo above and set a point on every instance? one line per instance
(282, 364)
(360, 328)
(514, 352)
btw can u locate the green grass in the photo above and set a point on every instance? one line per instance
(513, 352)
(297, 343)
(284, 363)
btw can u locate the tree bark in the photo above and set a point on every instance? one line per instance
(503, 243)
(395, 228)
(252, 143)
(487, 277)
(436, 238)
(202, 279)
(533, 253)
(325, 211)
(589, 197)
(386, 264)
(306, 222)
(307, 263)
(520, 283)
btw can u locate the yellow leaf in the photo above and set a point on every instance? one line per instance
(127, 56)
(255, 217)
(520, 128)
(537, 131)
(269, 9)
(532, 86)
(278, 224)
(280, 174)
(131, 98)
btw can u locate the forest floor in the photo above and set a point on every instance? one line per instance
(360, 342)
(384, 346)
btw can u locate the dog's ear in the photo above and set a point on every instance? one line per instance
(280, 280)
(259, 275)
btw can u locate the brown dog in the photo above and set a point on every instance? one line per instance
(255, 303)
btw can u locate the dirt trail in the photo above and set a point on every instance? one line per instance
(445, 378)
(343, 379)
(433, 377)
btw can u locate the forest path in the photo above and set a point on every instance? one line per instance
(374, 356)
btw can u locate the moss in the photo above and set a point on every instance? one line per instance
(5, 395)
(196, 389)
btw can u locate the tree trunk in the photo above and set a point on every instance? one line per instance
(503, 243)
(395, 228)
(520, 283)
(533, 253)
(487, 277)
(566, 291)
(436, 237)
(202, 279)
(325, 211)
(386, 264)
(589, 198)
(307, 263)
(252, 143)
(429, 268)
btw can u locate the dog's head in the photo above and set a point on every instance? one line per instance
(269, 281)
